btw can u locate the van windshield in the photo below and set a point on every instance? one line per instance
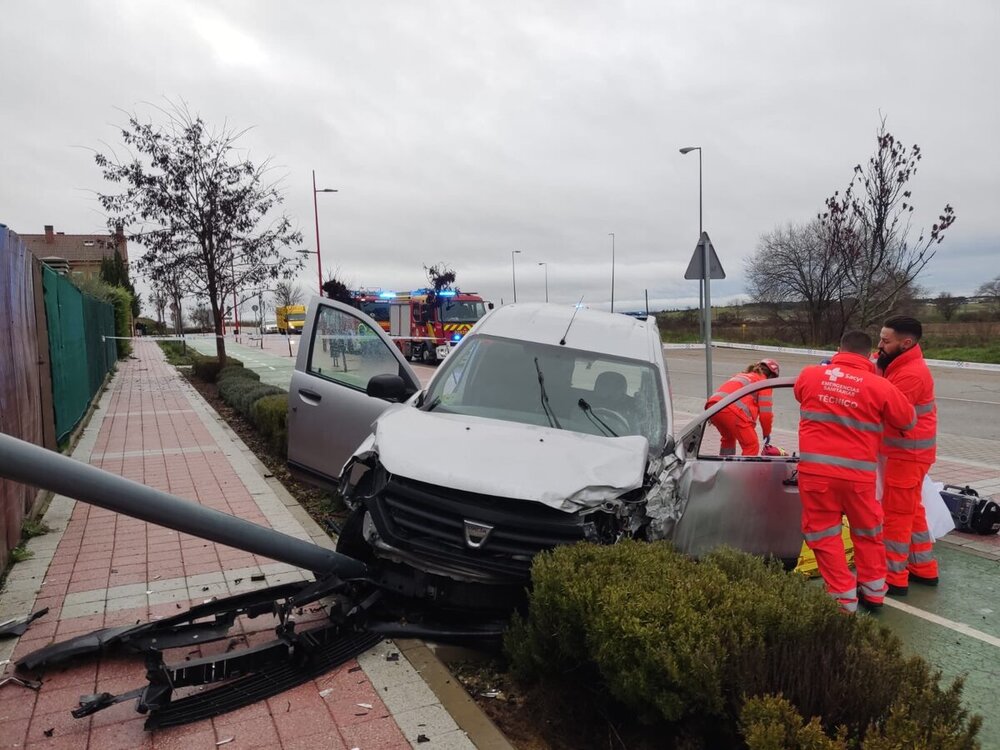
(461, 312)
(587, 392)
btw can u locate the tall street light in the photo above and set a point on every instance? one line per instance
(612, 235)
(513, 274)
(546, 279)
(706, 274)
(319, 258)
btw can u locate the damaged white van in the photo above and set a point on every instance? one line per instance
(547, 425)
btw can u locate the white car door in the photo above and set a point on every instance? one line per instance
(750, 503)
(329, 410)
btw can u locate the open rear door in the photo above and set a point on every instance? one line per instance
(329, 411)
(750, 503)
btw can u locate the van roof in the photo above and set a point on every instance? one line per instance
(592, 330)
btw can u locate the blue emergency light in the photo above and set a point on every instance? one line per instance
(447, 293)
(388, 295)
(457, 337)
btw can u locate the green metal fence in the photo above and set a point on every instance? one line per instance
(81, 356)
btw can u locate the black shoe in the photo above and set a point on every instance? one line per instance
(867, 603)
(923, 581)
(897, 590)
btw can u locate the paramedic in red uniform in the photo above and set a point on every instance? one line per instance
(843, 407)
(908, 546)
(738, 421)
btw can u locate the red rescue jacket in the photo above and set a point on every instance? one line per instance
(843, 407)
(909, 373)
(757, 405)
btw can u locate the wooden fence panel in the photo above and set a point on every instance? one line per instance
(22, 410)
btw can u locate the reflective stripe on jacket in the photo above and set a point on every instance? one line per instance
(843, 407)
(748, 407)
(909, 373)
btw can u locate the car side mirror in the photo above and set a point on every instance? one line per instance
(388, 387)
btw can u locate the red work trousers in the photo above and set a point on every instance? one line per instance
(733, 425)
(824, 501)
(908, 545)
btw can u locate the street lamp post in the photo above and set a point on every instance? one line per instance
(546, 279)
(319, 259)
(612, 234)
(706, 276)
(513, 274)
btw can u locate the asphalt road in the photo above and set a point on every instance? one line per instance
(968, 400)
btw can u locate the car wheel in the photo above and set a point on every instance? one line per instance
(427, 355)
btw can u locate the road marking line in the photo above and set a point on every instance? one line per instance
(968, 400)
(958, 627)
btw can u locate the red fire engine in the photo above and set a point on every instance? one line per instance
(426, 324)
(374, 304)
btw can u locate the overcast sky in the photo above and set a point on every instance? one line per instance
(460, 131)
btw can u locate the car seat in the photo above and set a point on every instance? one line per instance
(611, 392)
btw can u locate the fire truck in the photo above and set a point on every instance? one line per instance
(427, 324)
(374, 304)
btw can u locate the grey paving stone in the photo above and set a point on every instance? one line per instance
(86, 609)
(456, 740)
(131, 601)
(430, 721)
(84, 597)
(409, 695)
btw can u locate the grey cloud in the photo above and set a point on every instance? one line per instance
(459, 132)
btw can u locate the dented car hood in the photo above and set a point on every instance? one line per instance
(565, 470)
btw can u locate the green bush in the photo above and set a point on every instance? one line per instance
(208, 368)
(121, 300)
(269, 415)
(686, 643)
(236, 371)
(240, 393)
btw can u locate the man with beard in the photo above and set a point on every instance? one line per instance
(908, 545)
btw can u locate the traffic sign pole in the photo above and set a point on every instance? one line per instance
(705, 266)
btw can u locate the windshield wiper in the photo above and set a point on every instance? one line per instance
(553, 422)
(589, 411)
(433, 404)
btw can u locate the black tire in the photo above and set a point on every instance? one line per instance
(427, 356)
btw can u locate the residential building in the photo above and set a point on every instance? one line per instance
(81, 253)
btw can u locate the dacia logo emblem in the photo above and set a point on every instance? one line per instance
(476, 534)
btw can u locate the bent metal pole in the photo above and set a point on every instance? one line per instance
(39, 467)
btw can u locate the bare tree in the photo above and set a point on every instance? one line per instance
(337, 289)
(991, 292)
(948, 305)
(794, 269)
(869, 227)
(159, 300)
(287, 293)
(201, 316)
(203, 211)
(440, 276)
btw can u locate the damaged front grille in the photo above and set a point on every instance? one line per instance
(496, 535)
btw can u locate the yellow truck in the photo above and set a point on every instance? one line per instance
(290, 318)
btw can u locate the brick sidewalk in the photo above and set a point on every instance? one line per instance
(99, 569)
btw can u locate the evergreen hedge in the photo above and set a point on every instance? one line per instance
(685, 644)
(241, 393)
(269, 415)
(235, 371)
(208, 368)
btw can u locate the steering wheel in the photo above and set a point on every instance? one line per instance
(610, 417)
